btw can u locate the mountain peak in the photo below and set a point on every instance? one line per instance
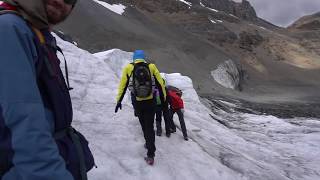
(242, 9)
(309, 22)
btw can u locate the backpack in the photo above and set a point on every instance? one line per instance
(142, 80)
(175, 89)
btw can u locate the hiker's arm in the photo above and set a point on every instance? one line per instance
(124, 82)
(159, 82)
(22, 113)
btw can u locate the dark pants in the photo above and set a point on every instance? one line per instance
(159, 118)
(181, 119)
(163, 110)
(133, 102)
(146, 111)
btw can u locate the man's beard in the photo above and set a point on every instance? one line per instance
(55, 21)
(56, 14)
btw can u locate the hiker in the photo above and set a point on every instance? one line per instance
(162, 110)
(143, 77)
(177, 106)
(37, 141)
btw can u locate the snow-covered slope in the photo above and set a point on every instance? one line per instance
(223, 145)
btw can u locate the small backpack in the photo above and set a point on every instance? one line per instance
(142, 80)
(175, 89)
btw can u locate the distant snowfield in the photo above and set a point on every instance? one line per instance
(188, 3)
(201, 4)
(214, 22)
(222, 146)
(117, 8)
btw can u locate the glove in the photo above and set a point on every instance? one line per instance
(182, 110)
(164, 106)
(117, 107)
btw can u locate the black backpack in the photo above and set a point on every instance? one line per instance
(142, 80)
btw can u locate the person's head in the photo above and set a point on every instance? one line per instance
(138, 54)
(58, 10)
(179, 93)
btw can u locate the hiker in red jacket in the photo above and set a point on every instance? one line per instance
(176, 106)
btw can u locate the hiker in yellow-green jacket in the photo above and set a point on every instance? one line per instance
(141, 78)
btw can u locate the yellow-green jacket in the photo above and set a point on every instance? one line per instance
(124, 82)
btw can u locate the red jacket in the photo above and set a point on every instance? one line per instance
(176, 102)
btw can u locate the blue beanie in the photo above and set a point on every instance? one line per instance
(138, 54)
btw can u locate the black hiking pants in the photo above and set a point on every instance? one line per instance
(181, 119)
(134, 102)
(146, 111)
(159, 118)
(163, 110)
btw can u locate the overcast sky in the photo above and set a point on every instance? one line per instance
(284, 12)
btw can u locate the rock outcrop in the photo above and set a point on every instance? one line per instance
(243, 10)
(249, 40)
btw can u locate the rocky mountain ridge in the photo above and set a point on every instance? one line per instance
(307, 30)
(309, 22)
(196, 37)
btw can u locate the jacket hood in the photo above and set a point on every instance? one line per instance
(33, 11)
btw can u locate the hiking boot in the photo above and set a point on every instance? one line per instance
(159, 133)
(186, 138)
(168, 135)
(172, 130)
(149, 160)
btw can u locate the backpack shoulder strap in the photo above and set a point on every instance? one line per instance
(133, 64)
(39, 35)
(39, 41)
(65, 68)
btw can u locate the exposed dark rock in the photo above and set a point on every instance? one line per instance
(245, 11)
(280, 110)
(215, 33)
(242, 10)
(169, 6)
(179, 38)
(313, 25)
(250, 40)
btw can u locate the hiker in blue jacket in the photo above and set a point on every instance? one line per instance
(37, 141)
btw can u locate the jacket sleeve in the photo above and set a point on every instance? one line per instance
(36, 154)
(159, 82)
(124, 82)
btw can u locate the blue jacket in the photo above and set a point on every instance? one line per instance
(26, 126)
